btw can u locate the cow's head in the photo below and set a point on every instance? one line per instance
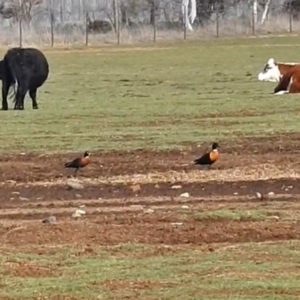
(270, 72)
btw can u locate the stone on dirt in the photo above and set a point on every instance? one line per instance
(185, 195)
(11, 182)
(176, 187)
(78, 213)
(177, 224)
(135, 188)
(258, 195)
(149, 211)
(271, 194)
(72, 185)
(15, 193)
(23, 198)
(78, 196)
(51, 219)
(185, 207)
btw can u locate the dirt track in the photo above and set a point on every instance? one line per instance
(120, 188)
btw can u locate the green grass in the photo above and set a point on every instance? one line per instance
(244, 271)
(164, 98)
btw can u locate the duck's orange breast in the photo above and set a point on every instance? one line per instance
(85, 161)
(213, 156)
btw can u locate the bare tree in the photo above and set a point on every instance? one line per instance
(18, 9)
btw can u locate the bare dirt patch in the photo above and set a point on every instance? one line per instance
(115, 285)
(151, 214)
(279, 150)
(25, 268)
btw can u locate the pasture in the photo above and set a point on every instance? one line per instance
(145, 113)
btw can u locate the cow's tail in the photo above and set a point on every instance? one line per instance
(13, 92)
(283, 83)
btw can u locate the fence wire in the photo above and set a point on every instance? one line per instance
(142, 21)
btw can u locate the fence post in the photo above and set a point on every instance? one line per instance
(253, 20)
(154, 26)
(184, 21)
(52, 27)
(86, 29)
(20, 32)
(217, 20)
(118, 25)
(291, 17)
(116, 20)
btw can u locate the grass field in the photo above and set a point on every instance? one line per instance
(253, 271)
(141, 239)
(154, 97)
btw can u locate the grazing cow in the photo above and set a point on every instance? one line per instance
(25, 68)
(290, 82)
(273, 71)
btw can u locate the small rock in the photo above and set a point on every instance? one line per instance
(135, 188)
(274, 217)
(185, 195)
(15, 193)
(258, 195)
(78, 196)
(235, 193)
(176, 187)
(22, 153)
(185, 207)
(290, 187)
(12, 182)
(51, 219)
(271, 194)
(23, 199)
(176, 224)
(157, 186)
(75, 185)
(78, 213)
(82, 206)
(149, 211)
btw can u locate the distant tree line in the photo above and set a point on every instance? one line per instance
(164, 12)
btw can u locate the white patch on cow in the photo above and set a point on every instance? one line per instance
(270, 72)
(281, 92)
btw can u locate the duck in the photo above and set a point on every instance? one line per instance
(208, 158)
(79, 162)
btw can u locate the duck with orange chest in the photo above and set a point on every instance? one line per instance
(209, 158)
(79, 162)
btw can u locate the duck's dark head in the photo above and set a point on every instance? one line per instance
(215, 146)
(86, 153)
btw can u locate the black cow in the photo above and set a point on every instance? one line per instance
(26, 68)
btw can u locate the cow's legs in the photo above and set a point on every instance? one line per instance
(21, 92)
(32, 94)
(5, 89)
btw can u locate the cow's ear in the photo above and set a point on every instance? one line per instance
(271, 62)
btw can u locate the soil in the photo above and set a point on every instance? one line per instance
(148, 212)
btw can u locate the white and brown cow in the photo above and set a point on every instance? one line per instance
(273, 71)
(289, 82)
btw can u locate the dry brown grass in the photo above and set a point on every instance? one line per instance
(248, 173)
(277, 24)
